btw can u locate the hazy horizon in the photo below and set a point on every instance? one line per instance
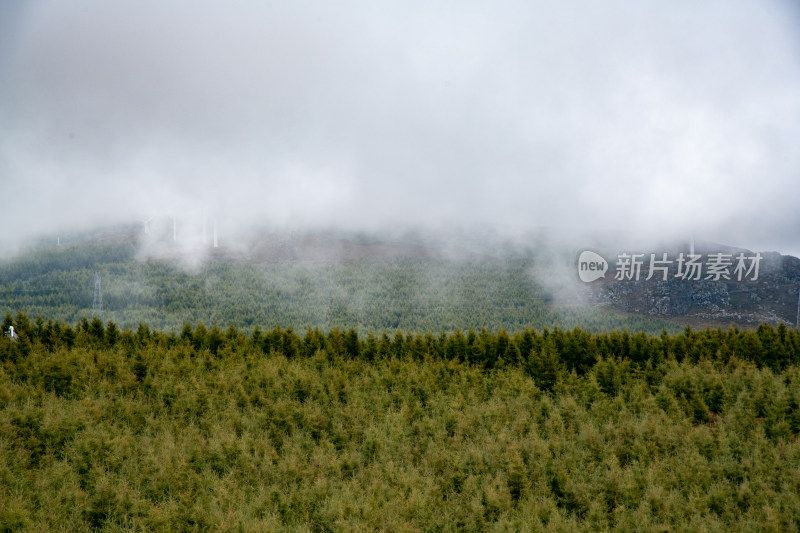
(657, 120)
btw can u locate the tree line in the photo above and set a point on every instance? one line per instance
(540, 351)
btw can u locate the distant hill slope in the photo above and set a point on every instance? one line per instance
(298, 281)
(771, 297)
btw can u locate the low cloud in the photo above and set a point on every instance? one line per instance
(657, 118)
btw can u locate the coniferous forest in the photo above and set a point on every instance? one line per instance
(373, 294)
(403, 267)
(105, 428)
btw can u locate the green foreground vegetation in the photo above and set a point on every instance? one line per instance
(209, 430)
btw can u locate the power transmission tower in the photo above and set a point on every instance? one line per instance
(216, 242)
(97, 304)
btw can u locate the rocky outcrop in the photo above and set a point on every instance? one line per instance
(771, 298)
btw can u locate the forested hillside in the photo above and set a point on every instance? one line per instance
(218, 430)
(371, 290)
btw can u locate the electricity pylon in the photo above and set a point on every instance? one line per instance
(97, 304)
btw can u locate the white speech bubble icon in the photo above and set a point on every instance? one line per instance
(591, 266)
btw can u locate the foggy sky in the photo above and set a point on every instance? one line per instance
(659, 117)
